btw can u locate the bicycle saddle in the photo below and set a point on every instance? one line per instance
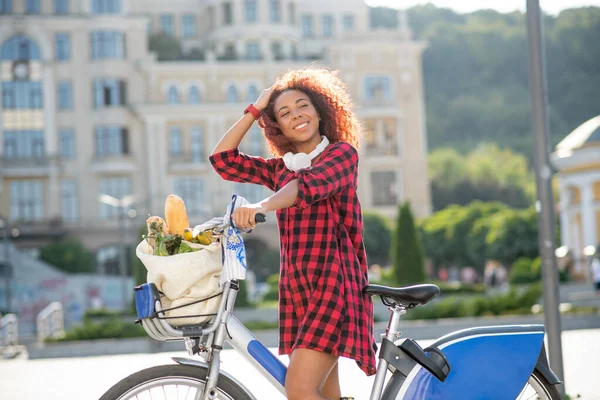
(410, 295)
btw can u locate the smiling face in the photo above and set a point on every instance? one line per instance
(297, 118)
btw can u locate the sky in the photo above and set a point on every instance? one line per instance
(549, 6)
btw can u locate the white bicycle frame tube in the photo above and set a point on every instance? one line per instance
(240, 339)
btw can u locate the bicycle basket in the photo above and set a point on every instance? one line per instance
(189, 283)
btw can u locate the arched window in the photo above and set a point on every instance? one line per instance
(194, 95)
(252, 93)
(20, 47)
(173, 95)
(232, 94)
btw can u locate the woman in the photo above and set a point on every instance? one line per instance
(312, 132)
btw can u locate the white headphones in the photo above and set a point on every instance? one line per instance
(298, 161)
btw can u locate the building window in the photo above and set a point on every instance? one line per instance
(63, 46)
(26, 200)
(307, 26)
(230, 52)
(348, 22)
(384, 188)
(5, 6)
(65, 96)
(109, 93)
(32, 6)
(292, 13)
(253, 51)
(166, 24)
(106, 6)
(327, 26)
(108, 44)
(69, 202)
(232, 94)
(24, 144)
(191, 190)
(20, 47)
(175, 142)
(61, 6)
(277, 51)
(194, 95)
(173, 95)
(197, 145)
(117, 188)
(189, 25)
(252, 93)
(22, 95)
(251, 10)
(275, 11)
(66, 145)
(227, 13)
(377, 88)
(111, 141)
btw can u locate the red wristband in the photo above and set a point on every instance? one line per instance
(252, 110)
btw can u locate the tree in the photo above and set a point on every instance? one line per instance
(487, 173)
(453, 237)
(377, 237)
(476, 76)
(69, 256)
(165, 46)
(407, 253)
(512, 234)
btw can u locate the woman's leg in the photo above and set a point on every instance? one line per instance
(331, 388)
(307, 375)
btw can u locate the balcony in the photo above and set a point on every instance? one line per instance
(26, 166)
(188, 162)
(39, 229)
(113, 163)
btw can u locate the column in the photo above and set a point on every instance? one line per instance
(156, 160)
(49, 88)
(588, 216)
(565, 227)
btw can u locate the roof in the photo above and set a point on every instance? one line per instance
(585, 134)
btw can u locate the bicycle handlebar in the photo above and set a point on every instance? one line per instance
(260, 218)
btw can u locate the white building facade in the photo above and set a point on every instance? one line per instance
(87, 110)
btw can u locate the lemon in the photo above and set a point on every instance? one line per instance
(187, 234)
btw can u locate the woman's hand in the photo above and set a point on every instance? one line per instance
(263, 100)
(245, 216)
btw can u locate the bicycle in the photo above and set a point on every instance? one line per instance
(453, 367)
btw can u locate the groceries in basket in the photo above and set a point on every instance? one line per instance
(186, 269)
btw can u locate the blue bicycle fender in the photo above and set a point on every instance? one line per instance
(492, 363)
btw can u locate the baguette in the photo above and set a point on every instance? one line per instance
(176, 215)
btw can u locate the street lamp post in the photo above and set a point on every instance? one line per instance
(7, 267)
(543, 175)
(121, 205)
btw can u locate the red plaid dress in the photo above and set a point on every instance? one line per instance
(323, 259)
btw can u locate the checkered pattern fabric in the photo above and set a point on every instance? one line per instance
(323, 259)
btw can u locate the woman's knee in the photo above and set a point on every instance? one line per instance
(296, 391)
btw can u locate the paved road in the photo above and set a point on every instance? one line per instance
(89, 377)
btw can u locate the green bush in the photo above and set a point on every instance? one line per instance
(524, 271)
(273, 293)
(113, 328)
(460, 287)
(513, 302)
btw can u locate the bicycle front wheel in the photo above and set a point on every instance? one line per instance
(539, 388)
(172, 382)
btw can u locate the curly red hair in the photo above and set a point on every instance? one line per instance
(330, 97)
